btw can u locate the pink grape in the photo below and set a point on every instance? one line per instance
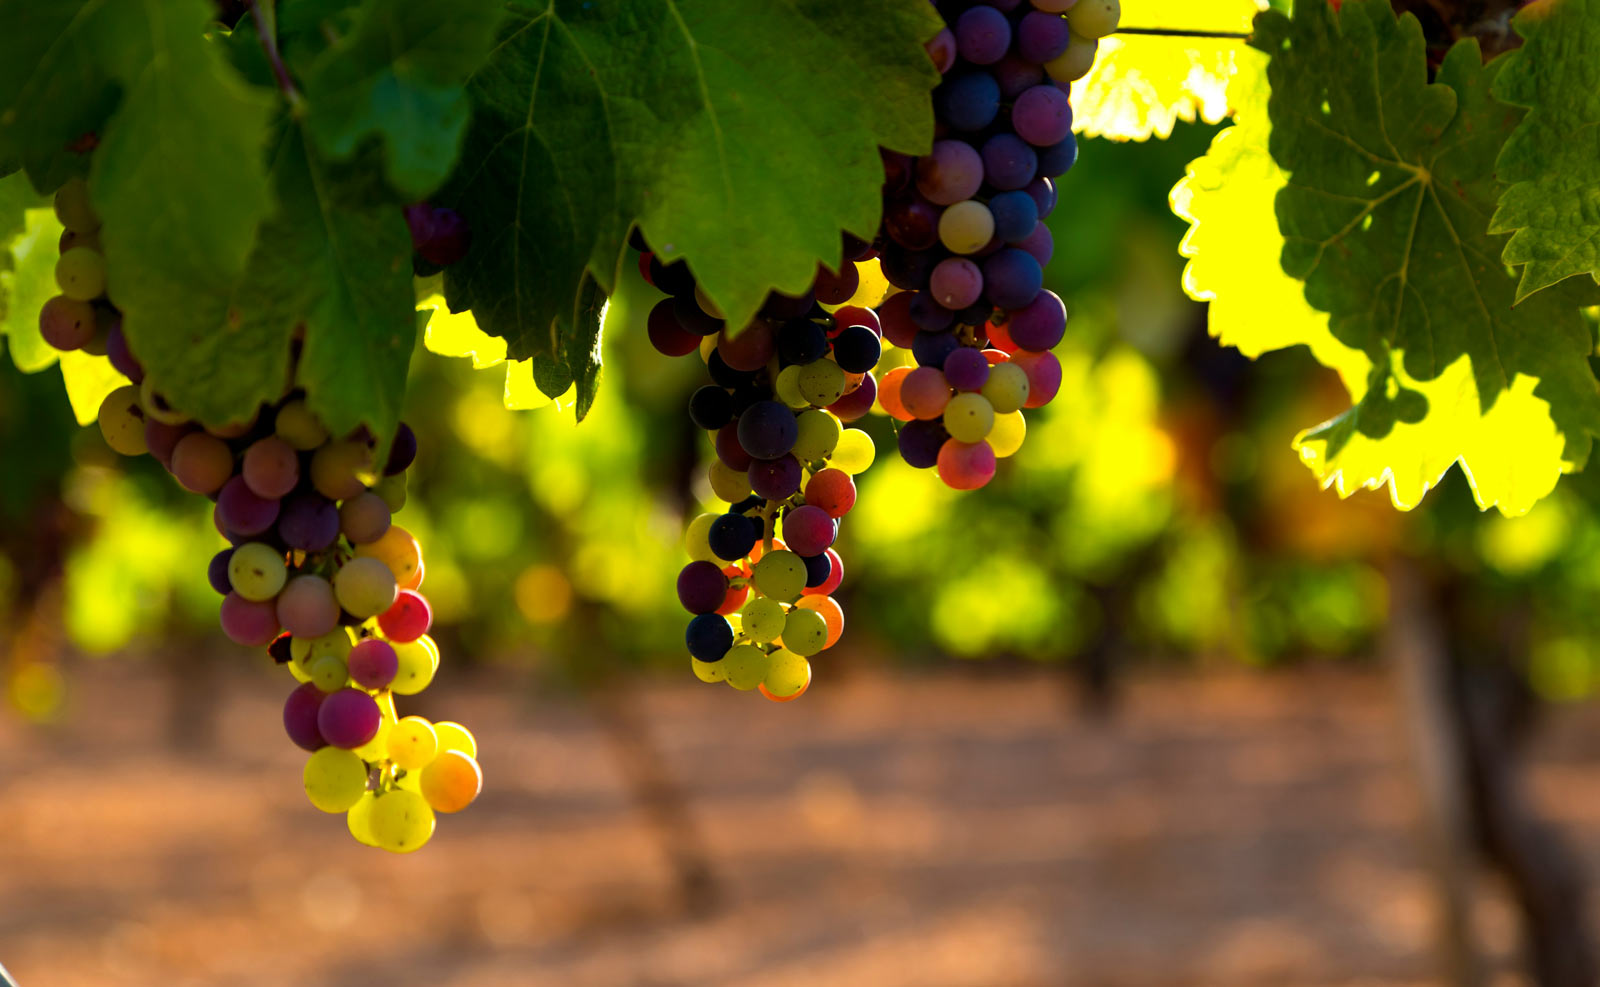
(246, 622)
(809, 530)
(307, 607)
(966, 466)
(373, 664)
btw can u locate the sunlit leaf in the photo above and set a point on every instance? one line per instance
(1142, 85)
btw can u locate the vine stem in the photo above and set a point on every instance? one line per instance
(265, 16)
(1179, 32)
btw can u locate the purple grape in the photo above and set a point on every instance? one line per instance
(729, 450)
(920, 442)
(912, 222)
(1043, 192)
(217, 572)
(932, 349)
(1015, 214)
(857, 349)
(1040, 243)
(1040, 324)
(809, 530)
(402, 451)
(702, 587)
(162, 439)
(1011, 278)
(858, 402)
(956, 282)
(448, 239)
(348, 718)
(969, 101)
(785, 307)
(374, 664)
(242, 511)
(1008, 162)
(1042, 116)
(952, 172)
(308, 522)
(122, 358)
(693, 319)
(966, 369)
(775, 479)
(1015, 76)
(982, 35)
(929, 315)
(801, 342)
(300, 716)
(767, 430)
(1042, 36)
(1058, 159)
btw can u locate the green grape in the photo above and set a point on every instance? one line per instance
(299, 673)
(804, 632)
(763, 619)
(455, 737)
(365, 586)
(818, 434)
(780, 575)
(413, 743)
(744, 666)
(727, 483)
(257, 572)
(787, 388)
(158, 407)
(787, 672)
(340, 470)
(392, 490)
(335, 779)
(297, 426)
(1006, 389)
(968, 417)
(821, 382)
(966, 227)
(1007, 435)
(708, 671)
(73, 208)
(81, 274)
(121, 422)
(329, 673)
(401, 821)
(854, 453)
(359, 819)
(695, 538)
(416, 667)
(336, 642)
(1094, 18)
(377, 748)
(1074, 63)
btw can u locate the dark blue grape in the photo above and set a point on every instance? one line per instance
(856, 349)
(929, 315)
(920, 442)
(402, 451)
(767, 430)
(932, 348)
(1008, 161)
(818, 568)
(1012, 278)
(695, 319)
(968, 102)
(732, 536)
(726, 376)
(1058, 159)
(217, 572)
(1014, 213)
(801, 341)
(907, 269)
(709, 637)
(1043, 193)
(711, 407)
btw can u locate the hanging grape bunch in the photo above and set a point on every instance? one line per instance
(964, 235)
(316, 573)
(762, 572)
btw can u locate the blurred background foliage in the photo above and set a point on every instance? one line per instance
(1156, 510)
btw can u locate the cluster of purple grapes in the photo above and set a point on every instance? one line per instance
(964, 236)
(316, 571)
(775, 410)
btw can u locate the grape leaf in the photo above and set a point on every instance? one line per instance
(27, 285)
(1552, 159)
(1141, 85)
(399, 73)
(54, 83)
(708, 124)
(1406, 429)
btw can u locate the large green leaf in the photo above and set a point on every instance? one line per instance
(55, 83)
(399, 73)
(740, 136)
(1553, 157)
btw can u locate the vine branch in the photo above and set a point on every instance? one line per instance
(263, 14)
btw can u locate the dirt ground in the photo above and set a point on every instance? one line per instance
(952, 830)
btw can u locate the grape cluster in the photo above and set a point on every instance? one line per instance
(762, 572)
(317, 573)
(964, 236)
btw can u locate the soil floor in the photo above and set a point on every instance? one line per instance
(957, 829)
